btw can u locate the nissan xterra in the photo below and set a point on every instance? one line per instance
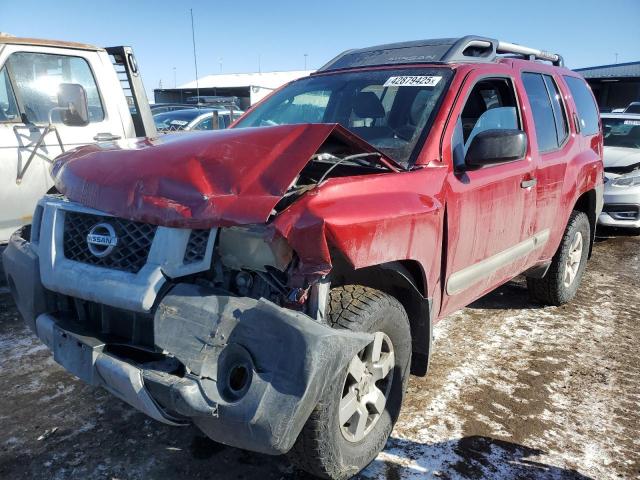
(275, 283)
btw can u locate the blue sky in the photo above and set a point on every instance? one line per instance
(586, 32)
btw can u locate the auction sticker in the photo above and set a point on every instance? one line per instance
(412, 81)
(632, 122)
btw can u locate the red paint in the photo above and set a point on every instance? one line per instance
(197, 180)
(371, 219)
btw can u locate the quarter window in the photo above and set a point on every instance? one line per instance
(8, 110)
(37, 77)
(542, 110)
(587, 109)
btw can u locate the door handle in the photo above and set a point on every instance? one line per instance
(528, 183)
(106, 137)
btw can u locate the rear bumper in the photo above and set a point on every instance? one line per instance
(203, 338)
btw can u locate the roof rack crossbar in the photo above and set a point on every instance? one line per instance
(506, 47)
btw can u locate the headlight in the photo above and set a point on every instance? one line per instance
(628, 180)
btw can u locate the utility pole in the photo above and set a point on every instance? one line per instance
(195, 58)
(220, 60)
(175, 84)
(616, 57)
(305, 61)
(259, 64)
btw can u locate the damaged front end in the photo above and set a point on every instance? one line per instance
(173, 286)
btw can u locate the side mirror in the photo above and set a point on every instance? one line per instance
(496, 146)
(73, 105)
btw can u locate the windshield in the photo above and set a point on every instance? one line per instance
(621, 132)
(390, 109)
(177, 119)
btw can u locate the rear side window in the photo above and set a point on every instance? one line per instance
(562, 130)
(542, 110)
(587, 109)
(37, 77)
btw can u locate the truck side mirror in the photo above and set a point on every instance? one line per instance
(73, 105)
(496, 146)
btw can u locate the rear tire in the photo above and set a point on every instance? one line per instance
(561, 282)
(327, 447)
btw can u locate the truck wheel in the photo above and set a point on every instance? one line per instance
(355, 416)
(560, 283)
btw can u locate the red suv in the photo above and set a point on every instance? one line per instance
(275, 283)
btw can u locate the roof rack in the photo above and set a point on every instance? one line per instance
(472, 48)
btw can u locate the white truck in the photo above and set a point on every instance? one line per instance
(55, 96)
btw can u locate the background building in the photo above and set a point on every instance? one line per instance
(615, 86)
(248, 87)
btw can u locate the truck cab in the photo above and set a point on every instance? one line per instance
(32, 129)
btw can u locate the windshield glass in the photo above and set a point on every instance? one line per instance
(388, 108)
(621, 132)
(177, 119)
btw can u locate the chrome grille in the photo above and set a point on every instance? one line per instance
(131, 252)
(196, 246)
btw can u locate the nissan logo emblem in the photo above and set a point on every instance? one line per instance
(101, 240)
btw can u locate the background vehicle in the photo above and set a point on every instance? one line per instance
(168, 107)
(622, 171)
(195, 119)
(33, 126)
(275, 286)
(634, 107)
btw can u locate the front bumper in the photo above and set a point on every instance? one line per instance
(247, 372)
(621, 207)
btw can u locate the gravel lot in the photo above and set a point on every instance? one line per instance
(515, 391)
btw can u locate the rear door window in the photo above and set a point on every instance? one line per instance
(548, 115)
(37, 77)
(586, 105)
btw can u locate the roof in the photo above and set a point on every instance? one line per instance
(11, 40)
(616, 70)
(630, 116)
(234, 80)
(470, 48)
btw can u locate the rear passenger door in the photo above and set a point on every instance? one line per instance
(490, 210)
(552, 144)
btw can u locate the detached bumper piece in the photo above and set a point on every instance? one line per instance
(247, 372)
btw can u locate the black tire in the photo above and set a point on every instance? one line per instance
(551, 289)
(321, 449)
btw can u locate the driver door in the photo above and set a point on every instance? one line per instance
(490, 210)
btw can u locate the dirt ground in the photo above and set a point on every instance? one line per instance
(514, 391)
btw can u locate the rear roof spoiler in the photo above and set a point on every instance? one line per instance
(471, 48)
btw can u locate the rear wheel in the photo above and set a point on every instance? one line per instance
(560, 283)
(355, 416)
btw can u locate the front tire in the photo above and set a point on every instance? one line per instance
(352, 421)
(561, 282)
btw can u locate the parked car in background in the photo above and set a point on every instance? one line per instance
(195, 119)
(276, 285)
(622, 170)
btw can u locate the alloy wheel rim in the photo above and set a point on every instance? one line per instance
(366, 388)
(572, 265)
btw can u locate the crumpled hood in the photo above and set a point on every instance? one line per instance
(196, 180)
(620, 156)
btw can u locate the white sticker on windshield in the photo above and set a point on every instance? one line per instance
(632, 122)
(180, 123)
(412, 81)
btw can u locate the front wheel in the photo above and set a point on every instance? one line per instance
(560, 283)
(355, 416)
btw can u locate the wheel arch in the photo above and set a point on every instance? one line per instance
(405, 281)
(587, 203)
